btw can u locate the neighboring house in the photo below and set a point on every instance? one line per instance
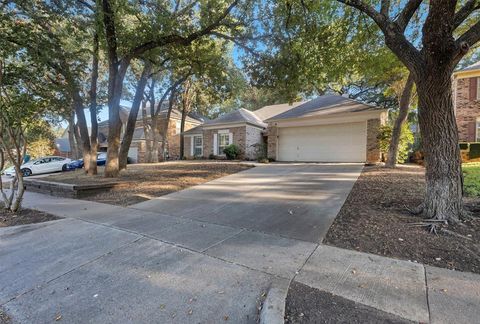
(326, 129)
(466, 88)
(137, 150)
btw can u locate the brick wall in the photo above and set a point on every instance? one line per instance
(253, 139)
(466, 111)
(187, 151)
(239, 139)
(272, 141)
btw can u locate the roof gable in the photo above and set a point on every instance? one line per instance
(237, 116)
(325, 105)
(270, 111)
(473, 67)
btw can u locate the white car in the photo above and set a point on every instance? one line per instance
(46, 164)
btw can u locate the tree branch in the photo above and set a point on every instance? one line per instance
(465, 11)
(407, 13)
(385, 8)
(379, 18)
(170, 39)
(236, 42)
(469, 38)
(171, 89)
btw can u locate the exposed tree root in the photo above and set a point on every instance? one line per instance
(417, 210)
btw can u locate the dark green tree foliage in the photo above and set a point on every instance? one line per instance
(315, 47)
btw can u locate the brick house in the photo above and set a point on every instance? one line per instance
(326, 129)
(137, 151)
(466, 88)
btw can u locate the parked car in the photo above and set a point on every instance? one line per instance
(47, 164)
(78, 164)
(9, 171)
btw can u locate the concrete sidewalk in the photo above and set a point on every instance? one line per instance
(210, 254)
(410, 290)
(143, 245)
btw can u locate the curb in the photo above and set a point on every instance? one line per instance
(273, 308)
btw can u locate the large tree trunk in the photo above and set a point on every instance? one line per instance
(147, 133)
(132, 117)
(401, 118)
(78, 141)
(443, 196)
(116, 75)
(182, 129)
(151, 150)
(166, 123)
(92, 170)
(71, 136)
(156, 138)
(82, 127)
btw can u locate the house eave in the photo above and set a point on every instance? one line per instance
(466, 74)
(231, 125)
(329, 119)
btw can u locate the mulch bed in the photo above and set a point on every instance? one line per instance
(4, 318)
(375, 219)
(24, 216)
(141, 182)
(309, 305)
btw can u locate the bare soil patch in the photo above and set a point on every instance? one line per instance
(24, 216)
(309, 305)
(375, 219)
(141, 182)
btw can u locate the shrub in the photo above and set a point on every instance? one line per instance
(232, 151)
(263, 160)
(260, 151)
(211, 156)
(404, 145)
(463, 146)
(474, 151)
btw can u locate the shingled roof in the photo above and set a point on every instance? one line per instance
(267, 112)
(474, 66)
(237, 116)
(324, 105)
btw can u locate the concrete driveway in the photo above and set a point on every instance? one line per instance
(297, 201)
(206, 254)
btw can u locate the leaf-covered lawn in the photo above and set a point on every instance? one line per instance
(141, 182)
(471, 173)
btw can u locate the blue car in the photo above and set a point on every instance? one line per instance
(78, 164)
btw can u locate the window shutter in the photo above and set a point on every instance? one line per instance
(473, 88)
(192, 145)
(230, 138)
(471, 131)
(215, 144)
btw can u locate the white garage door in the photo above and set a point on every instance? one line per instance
(326, 143)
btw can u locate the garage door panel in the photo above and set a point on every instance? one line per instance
(326, 143)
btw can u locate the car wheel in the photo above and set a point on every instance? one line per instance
(65, 167)
(26, 172)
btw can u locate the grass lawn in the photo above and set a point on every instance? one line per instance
(375, 219)
(471, 176)
(141, 182)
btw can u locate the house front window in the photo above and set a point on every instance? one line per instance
(197, 146)
(223, 142)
